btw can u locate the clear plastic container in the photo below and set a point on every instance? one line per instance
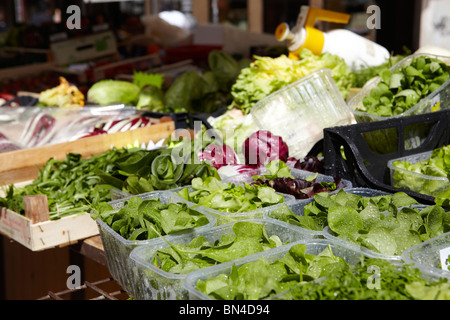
(152, 283)
(329, 234)
(301, 110)
(414, 181)
(117, 248)
(315, 246)
(385, 141)
(225, 217)
(426, 256)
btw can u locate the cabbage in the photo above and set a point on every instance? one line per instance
(266, 75)
(106, 92)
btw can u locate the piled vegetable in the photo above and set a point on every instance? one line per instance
(192, 91)
(74, 184)
(386, 224)
(323, 276)
(248, 238)
(281, 179)
(266, 75)
(403, 88)
(230, 197)
(437, 165)
(140, 219)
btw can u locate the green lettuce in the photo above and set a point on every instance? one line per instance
(266, 75)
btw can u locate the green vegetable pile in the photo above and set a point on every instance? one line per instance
(248, 238)
(302, 276)
(71, 185)
(192, 91)
(353, 282)
(437, 165)
(140, 219)
(139, 171)
(386, 224)
(400, 90)
(266, 75)
(230, 197)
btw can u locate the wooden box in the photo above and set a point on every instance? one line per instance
(34, 230)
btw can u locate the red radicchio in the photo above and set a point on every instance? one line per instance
(263, 147)
(218, 156)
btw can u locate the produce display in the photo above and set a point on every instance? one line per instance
(323, 276)
(191, 187)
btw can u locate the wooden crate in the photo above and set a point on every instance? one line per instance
(35, 230)
(23, 165)
(38, 236)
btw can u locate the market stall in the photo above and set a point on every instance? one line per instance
(281, 175)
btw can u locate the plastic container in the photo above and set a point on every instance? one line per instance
(117, 248)
(429, 185)
(347, 154)
(385, 141)
(314, 246)
(225, 217)
(329, 234)
(152, 283)
(426, 256)
(301, 110)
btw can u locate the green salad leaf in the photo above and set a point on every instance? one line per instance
(437, 165)
(247, 238)
(387, 224)
(400, 90)
(266, 75)
(229, 197)
(140, 219)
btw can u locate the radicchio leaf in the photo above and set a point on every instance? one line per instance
(218, 156)
(38, 130)
(263, 147)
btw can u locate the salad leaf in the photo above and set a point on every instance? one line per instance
(229, 197)
(140, 219)
(386, 224)
(400, 90)
(247, 238)
(266, 75)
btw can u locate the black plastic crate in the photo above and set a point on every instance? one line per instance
(348, 155)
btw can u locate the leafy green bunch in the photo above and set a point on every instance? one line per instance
(266, 75)
(139, 171)
(247, 238)
(437, 165)
(140, 219)
(400, 90)
(387, 224)
(262, 278)
(230, 197)
(71, 185)
(302, 276)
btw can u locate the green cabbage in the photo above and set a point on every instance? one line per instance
(106, 92)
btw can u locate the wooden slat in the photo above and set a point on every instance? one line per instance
(36, 208)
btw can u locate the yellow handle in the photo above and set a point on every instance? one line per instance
(315, 14)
